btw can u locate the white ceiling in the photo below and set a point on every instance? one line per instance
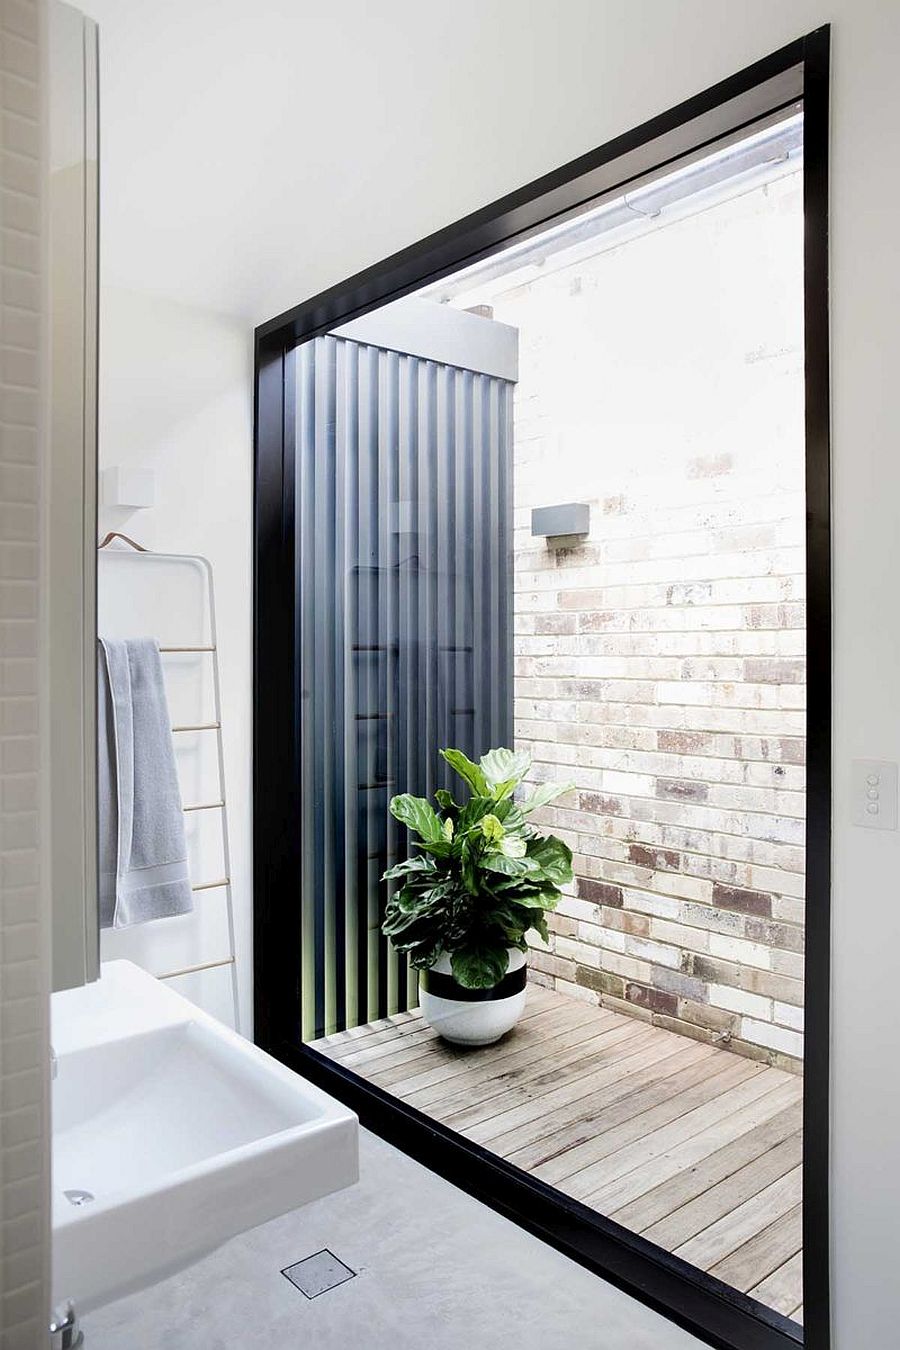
(237, 138)
(253, 154)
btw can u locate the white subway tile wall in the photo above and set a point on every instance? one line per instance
(660, 660)
(24, 963)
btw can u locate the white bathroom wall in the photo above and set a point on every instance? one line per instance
(24, 902)
(175, 397)
(252, 158)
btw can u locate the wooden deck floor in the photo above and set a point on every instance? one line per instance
(692, 1146)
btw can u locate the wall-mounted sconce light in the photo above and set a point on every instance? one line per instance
(572, 518)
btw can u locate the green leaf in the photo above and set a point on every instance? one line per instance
(513, 846)
(512, 916)
(401, 869)
(472, 812)
(396, 922)
(468, 869)
(441, 848)
(480, 965)
(508, 811)
(507, 867)
(403, 910)
(418, 815)
(553, 857)
(529, 898)
(503, 770)
(491, 828)
(543, 794)
(539, 924)
(445, 800)
(408, 900)
(472, 774)
(424, 955)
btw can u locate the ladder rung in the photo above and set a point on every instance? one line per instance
(211, 885)
(204, 806)
(192, 970)
(199, 726)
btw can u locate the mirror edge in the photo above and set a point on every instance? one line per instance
(73, 463)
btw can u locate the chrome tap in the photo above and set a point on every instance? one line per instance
(65, 1333)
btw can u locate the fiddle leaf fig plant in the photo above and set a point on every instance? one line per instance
(483, 876)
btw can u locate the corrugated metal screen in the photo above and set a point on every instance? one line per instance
(404, 520)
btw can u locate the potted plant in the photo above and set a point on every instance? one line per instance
(482, 878)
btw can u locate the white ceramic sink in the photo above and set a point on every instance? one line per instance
(171, 1134)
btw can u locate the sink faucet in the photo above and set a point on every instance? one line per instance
(65, 1333)
(54, 1063)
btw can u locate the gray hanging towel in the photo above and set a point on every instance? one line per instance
(143, 853)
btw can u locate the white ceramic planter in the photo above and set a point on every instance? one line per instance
(477, 1016)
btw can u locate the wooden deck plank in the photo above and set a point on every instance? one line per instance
(779, 1289)
(727, 1195)
(536, 1076)
(766, 1250)
(678, 1104)
(611, 1197)
(481, 1120)
(538, 1140)
(701, 1176)
(686, 1143)
(534, 1028)
(567, 1027)
(744, 1223)
(395, 1030)
(642, 1055)
(386, 1054)
(386, 1025)
(662, 1141)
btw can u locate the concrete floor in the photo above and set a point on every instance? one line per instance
(434, 1268)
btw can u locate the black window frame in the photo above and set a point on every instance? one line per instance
(696, 1301)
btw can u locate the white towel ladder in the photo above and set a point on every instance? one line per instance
(137, 551)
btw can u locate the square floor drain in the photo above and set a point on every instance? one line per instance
(316, 1274)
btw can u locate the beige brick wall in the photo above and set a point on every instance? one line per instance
(660, 661)
(24, 941)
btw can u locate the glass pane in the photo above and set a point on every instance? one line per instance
(644, 469)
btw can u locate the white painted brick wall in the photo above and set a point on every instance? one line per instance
(660, 661)
(24, 938)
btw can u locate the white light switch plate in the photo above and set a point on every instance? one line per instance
(875, 794)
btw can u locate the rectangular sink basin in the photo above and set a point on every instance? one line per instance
(172, 1134)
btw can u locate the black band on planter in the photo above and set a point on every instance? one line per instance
(444, 986)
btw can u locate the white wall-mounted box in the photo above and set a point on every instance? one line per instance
(132, 488)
